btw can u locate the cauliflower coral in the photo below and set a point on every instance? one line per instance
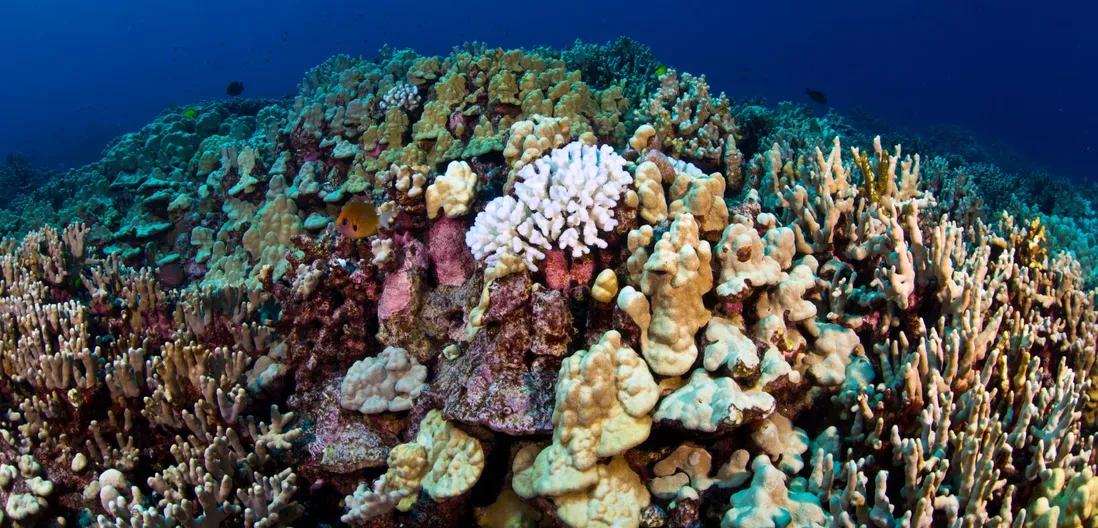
(564, 201)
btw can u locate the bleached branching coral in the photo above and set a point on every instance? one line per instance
(564, 201)
(403, 96)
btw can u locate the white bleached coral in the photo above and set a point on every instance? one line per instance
(403, 96)
(564, 201)
(388, 382)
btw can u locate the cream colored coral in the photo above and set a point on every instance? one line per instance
(366, 502)
(452, 192)
(533, 138)
(615, 502)
(444, 461)
(386, 383)
(730, 347)
(649, 184)
(409, 179)
(640, 138)
(706, 403)
(782, 442)
(787, 299)
(1063, 502)
(745, 264)
(603, 399)
(637, 243)
(606, 286)
(523, 481)
(506, 265)
(825, 364)
(675, 278)
(683, 474)
(701, 195)
(509, 512)
(407, 467)
(456, 459)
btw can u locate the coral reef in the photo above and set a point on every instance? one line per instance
(590, 302)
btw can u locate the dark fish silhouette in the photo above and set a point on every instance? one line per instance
(235, 88)
(817, 97)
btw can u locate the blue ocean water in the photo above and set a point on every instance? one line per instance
(1019, 74)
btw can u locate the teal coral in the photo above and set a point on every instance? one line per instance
(935, 337)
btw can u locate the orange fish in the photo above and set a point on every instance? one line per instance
(357, 220)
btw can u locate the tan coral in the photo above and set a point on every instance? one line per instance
(603, 399)
(682, 474)
(456, 459)
(533, 138)
(649, 184)
(269, 237)
(1064, 502)
(675, 278)
(777, 438)
(701, 195)
(508, 511)
(640, 138)
(452, 192)
(616, 501)
(605, 288)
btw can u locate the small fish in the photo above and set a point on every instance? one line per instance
(191, 113)
(358, 220)
(660, 70)
(235, 88)
(817, 97)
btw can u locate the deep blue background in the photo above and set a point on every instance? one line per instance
(76, 73)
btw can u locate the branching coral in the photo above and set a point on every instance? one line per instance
(564, 201)
(649, 316)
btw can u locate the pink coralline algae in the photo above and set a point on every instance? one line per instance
(499, 382)
(452, 262)
(680, 311)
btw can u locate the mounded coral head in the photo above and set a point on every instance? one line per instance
(604, 396)
(386, 383)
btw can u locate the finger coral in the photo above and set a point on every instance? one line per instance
(720, 315)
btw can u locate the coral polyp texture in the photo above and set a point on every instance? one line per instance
(596, 297)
